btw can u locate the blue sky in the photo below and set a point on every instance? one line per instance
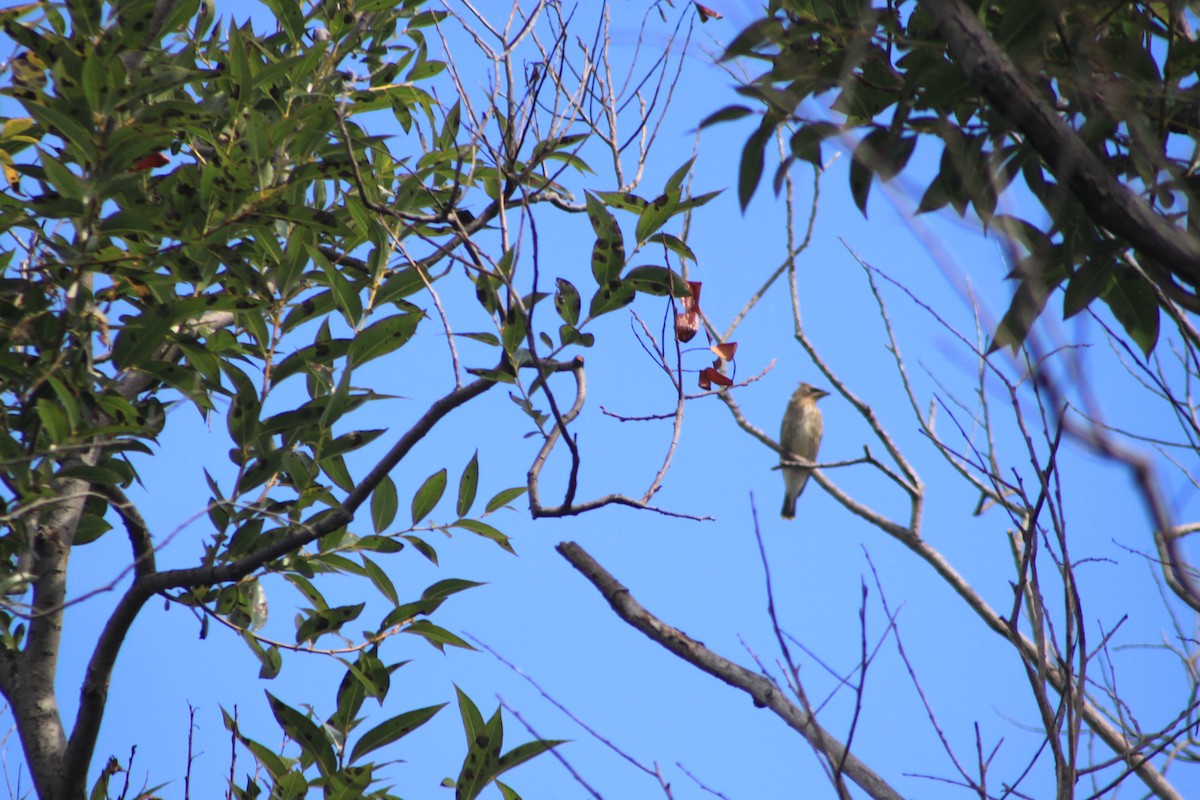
(703, 577)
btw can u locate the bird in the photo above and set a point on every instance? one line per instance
(800, 436)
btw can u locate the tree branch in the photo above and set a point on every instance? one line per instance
(1109, 203)
(94, 691)
(764, 692)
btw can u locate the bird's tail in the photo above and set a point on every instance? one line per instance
(793, 482)
(789, 506)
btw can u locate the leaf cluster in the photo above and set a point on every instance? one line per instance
(1121, 76)
(202, 215)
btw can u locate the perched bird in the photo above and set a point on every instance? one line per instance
(800, 436)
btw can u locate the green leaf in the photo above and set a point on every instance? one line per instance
(514, 330)
(67, 183)
(468, 483)
(346, 443)
(766, 29)
(384, 504)
(503, 498)
(610, 297)
(471, 718)
(899, 154)
(696, 201)
(268, 657)
(437, 636)
(430, 600)
(395, 728)
(276, 766)
(351, 693)
(288, 13)
(141, 336)
(1133, 302)
(751, 168)
(674, 244)
(100, 787)
(401, 284)
(311, 308)
(1026, 305)
(64, 125)
(306, 588)
(303, 731)
(384, 336)
(365, 677)
(428, 495)
(54, 421)
(566, 301)
(344, 292)
(380, 544)
(934, 198)
(656, 214)
(726, 114)
(335, 469)
(490, 339)
(90, 528)
(202, 360)
(676, 180)
(1022, 26)
(861, 176)
(806, 142)
(486, 531)
(427, 18)
(487, 291)
(575, 162)
(187, 381)
(380, 578)
(1089, 282)
(658, 281)
(445, 588)
(424, 71)
(626, 201)
(524, 752)
(482, 763)
(569, 334)
(328, 621)
(348, 782)
(608, 254)
(242, 420)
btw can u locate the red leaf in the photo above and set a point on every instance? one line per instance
(687, 325)
(707, 13)
(687, 322)
(150, 162)
(725, 350)
(711, 375)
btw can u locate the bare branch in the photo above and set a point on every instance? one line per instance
(764, 693)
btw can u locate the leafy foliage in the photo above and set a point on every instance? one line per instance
(1121, 77)
(200, 213)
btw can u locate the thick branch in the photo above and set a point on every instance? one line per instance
(764, 692)
(1109, 203)
(135, 527)
(31, 690)
(28, 681)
